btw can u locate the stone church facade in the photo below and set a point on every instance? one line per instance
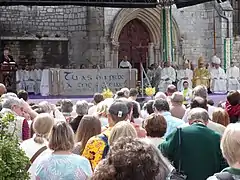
(103, 36)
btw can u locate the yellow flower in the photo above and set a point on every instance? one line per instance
(150, 91)
(107, 93)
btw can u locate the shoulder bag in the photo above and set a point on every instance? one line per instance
(35, 156)
(177, 174)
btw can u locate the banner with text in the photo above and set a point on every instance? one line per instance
(90, 81)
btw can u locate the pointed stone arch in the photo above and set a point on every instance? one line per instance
(151, 17)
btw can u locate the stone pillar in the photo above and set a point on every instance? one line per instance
(151, 57)
(157, 54)
(114, 54)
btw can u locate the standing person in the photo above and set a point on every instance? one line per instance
(168, 76)
(218, 78)
(97, 98)
(125, 64)
(199, 144)
(201, 75)
(38, 77)
(187, 93)
(62, 164)
(221, 116)
(157, 75)
(183, 75)
(6, 57)
(42, 126)
(233, 77)
(97, 147)
(162, 107)
(3, 89)
(89, 126)
(133, 94)
(150, 73)
(230, 149)
(177, 109)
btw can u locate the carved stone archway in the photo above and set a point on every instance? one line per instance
(152, 19)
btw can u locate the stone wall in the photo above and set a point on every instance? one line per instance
(52, 21)
(236, 50)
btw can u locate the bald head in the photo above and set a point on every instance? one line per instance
(3, 89)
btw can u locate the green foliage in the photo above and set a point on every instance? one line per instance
(13, 160)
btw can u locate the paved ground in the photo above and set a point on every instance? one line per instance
(53, 99)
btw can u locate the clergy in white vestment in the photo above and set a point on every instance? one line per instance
(168, 76)
(38, 78)
(45, 87)
(183, 75)
(151, 73)
(19, 80)
(157, 75)
(218, 77)
(233, 76)
(28, 78)
(125, 63)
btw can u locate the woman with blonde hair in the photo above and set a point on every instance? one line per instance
(42, 126)
(89, 126)
(122, 129)
(62, 164)
(230, 147)
(220, 116)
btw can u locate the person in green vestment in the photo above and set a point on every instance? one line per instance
(200, 152)
(231, 151)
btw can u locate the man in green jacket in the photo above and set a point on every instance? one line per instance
(199, 148)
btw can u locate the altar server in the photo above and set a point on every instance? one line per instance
(183, 75)
(168, 76)
(218, 77)
(38, 78)
(45, 87)
(19, 79)
(233, 77)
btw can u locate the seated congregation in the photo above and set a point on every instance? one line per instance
(119, 138)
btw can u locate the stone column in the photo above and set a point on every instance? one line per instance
(151, 54)
(157, 54)
(114, 54)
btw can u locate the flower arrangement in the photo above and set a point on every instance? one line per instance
(150, 91)
(107, 93)
(13, 160)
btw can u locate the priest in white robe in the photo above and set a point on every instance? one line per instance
(168, 76)
(20, 85)
(38, 78)
(233, 77)
(29, 79)
(218, 78)
(183, 75)
(45, 86)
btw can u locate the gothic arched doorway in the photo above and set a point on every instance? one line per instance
(134, 40)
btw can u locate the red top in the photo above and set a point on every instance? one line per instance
(25, 130)
(232, 110)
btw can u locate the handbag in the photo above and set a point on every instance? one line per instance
(177, 174)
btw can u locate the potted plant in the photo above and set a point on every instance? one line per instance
(13, 161)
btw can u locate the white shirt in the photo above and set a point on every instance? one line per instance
(30, 147)
(125, 64)
(38, 74)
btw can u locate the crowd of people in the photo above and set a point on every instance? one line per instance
(120, 138)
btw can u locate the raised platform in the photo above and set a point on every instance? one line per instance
(54, 99)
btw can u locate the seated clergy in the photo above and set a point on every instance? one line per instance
(19, 79)
(233, 76)
(218, 77)
(183, 75)
(201, 75)
(38, 78)
(168, 76)
(28, 78)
